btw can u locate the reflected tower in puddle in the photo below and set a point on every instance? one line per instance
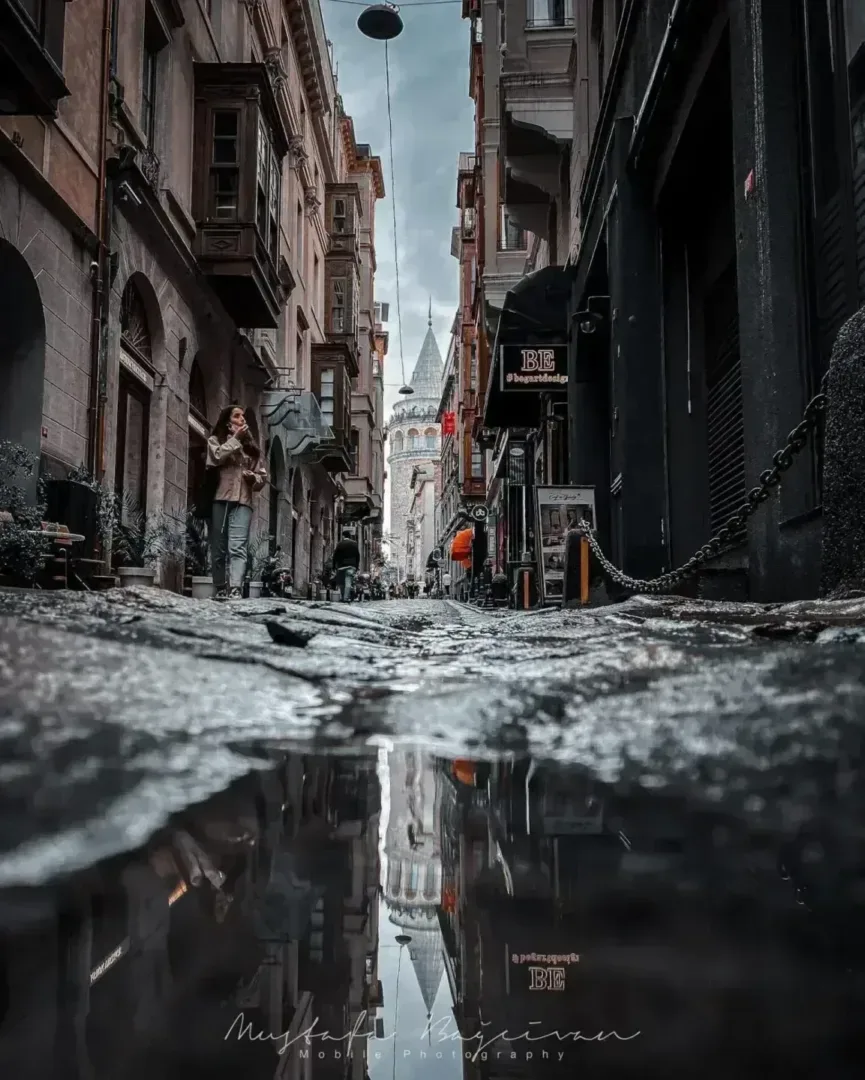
(414, 866)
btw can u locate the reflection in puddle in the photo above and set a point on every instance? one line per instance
(398, 914)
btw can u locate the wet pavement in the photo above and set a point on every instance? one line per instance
(454, 837)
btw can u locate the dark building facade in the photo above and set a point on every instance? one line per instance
(718, 175)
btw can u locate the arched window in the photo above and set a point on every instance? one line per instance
(413, 439)
(133, 401)
(134, 327)
(413, 876)
(429, 888)
(431, 438)
(398, 443)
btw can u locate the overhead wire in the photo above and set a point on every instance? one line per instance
(393, 208)
(414, 3)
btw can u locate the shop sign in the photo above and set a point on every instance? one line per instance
(546, 972)
(449, 423)
(559, 509)
(534, 368)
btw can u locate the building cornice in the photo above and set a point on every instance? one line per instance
(371, 165)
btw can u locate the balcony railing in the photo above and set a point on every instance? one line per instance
(550, 14)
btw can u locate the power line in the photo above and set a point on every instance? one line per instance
(393, 207)
(414, 3)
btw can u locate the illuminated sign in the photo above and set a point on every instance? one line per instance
(534, 368)
(546, 978)
(109, 961)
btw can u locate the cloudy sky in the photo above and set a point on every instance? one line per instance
(432, 123)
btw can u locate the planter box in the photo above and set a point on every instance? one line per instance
(255, 588)
(131, 576)
(203, 588)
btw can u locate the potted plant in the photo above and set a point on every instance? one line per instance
(22, 548)
(198, 558)
(137, 541)
(259, 550)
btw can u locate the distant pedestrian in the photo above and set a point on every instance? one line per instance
(232, 451)
(346, 563)
(446, 584)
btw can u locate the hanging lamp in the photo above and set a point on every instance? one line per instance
(381, 22)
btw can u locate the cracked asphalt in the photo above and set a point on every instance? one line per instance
(122, 708)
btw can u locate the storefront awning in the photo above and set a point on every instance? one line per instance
(530, 355)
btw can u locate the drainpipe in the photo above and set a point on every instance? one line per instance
(101, 285)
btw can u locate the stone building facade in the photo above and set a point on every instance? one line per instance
(168, 174)
(414, 440)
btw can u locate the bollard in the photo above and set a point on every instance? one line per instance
(573, 592)
(584, 570)
(844, 464)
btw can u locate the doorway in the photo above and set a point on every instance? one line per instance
(706, 466)
(22, 352)
(296, 519)
(276, 474)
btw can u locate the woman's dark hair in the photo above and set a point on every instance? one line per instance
(221, 430)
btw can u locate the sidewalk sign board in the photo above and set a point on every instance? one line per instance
(559, 509)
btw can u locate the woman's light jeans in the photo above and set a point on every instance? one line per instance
(229, 542)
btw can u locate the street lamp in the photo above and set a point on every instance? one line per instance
(402, 940)
(381, 22)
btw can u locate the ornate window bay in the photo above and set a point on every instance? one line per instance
(240, 143)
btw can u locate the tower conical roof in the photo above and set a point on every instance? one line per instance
(427, 959)
(426, 379)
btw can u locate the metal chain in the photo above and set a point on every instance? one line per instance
(769, 479)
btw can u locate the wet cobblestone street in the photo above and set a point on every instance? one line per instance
(672, 791)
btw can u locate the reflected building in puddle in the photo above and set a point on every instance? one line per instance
(248, 922)
(621, 932)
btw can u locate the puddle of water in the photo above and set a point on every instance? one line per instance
(397, 913)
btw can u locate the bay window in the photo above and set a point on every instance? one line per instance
(240, 141)
(268, 180)
(327, 398)
(337, 310)
(225, 165)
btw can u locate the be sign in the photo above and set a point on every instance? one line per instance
(534, 367)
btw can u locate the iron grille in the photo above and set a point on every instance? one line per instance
(724, 418)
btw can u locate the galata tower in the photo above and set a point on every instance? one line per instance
(413, 439)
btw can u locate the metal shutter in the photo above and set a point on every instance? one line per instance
(859, 185)
(725, 421)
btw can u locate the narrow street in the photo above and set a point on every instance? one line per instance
(668, 791)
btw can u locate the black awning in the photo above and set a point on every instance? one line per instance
(533, 325)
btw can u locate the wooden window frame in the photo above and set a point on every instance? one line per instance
(128, 386)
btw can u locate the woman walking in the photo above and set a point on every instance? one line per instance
(232, 450)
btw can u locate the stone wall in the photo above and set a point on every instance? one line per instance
(40, 253)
